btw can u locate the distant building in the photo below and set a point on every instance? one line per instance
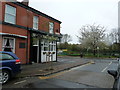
(28, 33)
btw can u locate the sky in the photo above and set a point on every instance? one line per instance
(75, 13)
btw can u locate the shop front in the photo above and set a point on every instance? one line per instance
(44, 48)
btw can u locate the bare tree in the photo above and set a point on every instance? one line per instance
(66, 38)
(91, 36)
(114, 35)
(119, 35)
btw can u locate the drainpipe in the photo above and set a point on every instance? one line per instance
(27, 41)
(27, 48)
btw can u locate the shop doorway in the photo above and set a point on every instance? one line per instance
(35, 51)
(48, 51)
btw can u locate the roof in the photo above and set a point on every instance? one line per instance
(36, 11)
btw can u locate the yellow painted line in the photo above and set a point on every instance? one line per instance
(20, 82)
(58, 74)
(52, 76)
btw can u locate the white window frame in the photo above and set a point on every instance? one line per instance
(13, 43)
(51, 27)
(10, 14)
(35, 22)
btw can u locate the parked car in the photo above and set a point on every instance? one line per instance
(9, 66)
(116, 75)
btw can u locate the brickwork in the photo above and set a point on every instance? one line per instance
(24, 19)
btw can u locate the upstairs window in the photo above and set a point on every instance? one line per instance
(51, 27)
(35, 22)
(10, 14)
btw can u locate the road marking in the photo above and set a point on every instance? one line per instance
(58, 74)
(106, 67)
(80, 66)
(52, 76)
(20, 82)
(110, 63)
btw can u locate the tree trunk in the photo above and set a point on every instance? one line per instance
(94, 52)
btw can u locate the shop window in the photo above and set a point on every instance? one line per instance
(48, 46)
(10, 14)
(45, 48)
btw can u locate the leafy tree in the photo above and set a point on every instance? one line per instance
(91, 36)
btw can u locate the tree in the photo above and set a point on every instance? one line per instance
(92, 36)
(66, 38)
(114, 35)
(119, 35)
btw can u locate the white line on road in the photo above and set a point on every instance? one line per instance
(110, 63)
(106, 67)
(20, 82)
(80, 66)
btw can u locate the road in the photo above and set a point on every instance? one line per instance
(91, 75)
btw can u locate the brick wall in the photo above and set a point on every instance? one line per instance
(20, 52)
(24, 18)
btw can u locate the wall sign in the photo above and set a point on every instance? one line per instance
(22, 45)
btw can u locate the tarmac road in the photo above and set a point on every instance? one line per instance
(85, 76)
(92, 74)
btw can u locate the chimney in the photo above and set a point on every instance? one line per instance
(25, 2)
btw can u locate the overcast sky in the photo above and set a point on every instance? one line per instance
(75, 13)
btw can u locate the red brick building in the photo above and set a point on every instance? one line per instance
(27, 32)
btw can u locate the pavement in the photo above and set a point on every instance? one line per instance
(45, 69)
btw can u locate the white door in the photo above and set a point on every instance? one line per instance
(44, 50)
(52, 49)
(48, 51)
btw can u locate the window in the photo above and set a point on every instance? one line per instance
(10, 14)
(9, 44)
(48, 46)
(5, 57)
(35, 22)
(51, 27)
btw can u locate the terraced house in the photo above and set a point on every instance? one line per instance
(29, 33)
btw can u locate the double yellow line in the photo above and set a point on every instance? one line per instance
(52, 76)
